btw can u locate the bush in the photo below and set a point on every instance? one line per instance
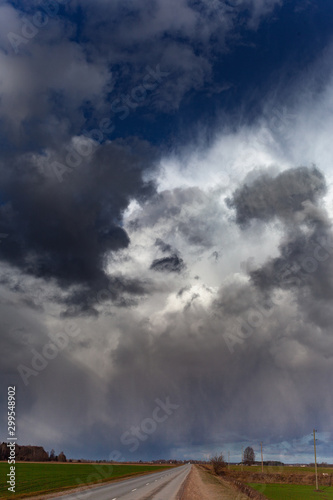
(218, 464)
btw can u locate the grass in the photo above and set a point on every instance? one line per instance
(283, 469)
(293, 491)
(43, 478)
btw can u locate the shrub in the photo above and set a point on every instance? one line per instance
(218, 464)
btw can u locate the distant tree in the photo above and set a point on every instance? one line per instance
(249, 456)
(4, 451)
(62, 457)
(218, 464)
(52, 455)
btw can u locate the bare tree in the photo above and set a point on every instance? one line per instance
(218, 464)
(249, 456)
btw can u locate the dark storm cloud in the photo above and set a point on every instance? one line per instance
(275, 374)
(187, 36)
(266, 372)
(118, 290)
(65, 231)
(293, 196)
(281, 196)
(79, 69)
(305, 260)
(171, 264)
(305, 264)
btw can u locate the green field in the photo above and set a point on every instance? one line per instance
(42, 478)
(293, 491)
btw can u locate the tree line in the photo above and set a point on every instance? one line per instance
(31, 454)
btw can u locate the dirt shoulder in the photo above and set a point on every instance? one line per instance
(201, 485)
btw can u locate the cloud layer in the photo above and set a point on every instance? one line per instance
(166, 228)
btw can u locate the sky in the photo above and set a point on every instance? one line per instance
(166, 241)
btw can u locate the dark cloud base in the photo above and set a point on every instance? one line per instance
(65, 231)
(173, 264)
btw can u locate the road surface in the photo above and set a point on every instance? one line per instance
(157, 486)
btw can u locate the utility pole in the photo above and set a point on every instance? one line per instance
(315, 454)
(242, 458)
(228, 459)
(262, 462)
